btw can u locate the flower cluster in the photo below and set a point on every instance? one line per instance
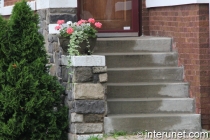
(78, 32)
(87, 26)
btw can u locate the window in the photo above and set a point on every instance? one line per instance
(1, 3)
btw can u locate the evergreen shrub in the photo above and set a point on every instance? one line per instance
(30, 99)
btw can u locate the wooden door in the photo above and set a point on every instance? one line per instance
(115, 15)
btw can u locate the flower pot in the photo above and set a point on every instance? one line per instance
(83, 49)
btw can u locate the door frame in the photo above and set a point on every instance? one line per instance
(137, 31)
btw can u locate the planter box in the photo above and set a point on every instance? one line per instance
(84, 60)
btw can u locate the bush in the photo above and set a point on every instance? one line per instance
(30, 103)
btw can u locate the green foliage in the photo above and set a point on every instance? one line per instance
(30, 103)
(95, 138)
(75, 39)
(118, 134)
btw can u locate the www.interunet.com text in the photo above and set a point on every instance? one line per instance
(173, 135)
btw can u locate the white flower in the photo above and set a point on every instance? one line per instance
(69, 22)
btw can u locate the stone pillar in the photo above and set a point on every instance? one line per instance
(54, 51)
(86, 89)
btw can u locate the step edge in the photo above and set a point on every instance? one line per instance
(147, 99)
(136, 53)
(144, 68)
(151, 115)
(147, 83)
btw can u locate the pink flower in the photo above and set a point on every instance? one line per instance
(98, 25)
(57, 27)
(70, 30)
(81, 21)
(91, 20)
(60, 22)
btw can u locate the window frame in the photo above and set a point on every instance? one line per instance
(2, 3)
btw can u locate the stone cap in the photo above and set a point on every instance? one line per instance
(84, 60)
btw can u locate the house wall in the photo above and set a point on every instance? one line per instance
(188, 25)
(145, 19)
(11, 2)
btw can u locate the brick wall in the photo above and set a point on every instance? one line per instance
(189, 27)
(11, 2)
(145, 18)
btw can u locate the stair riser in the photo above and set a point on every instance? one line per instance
(190, 123)
(145, 75)
(157, 106)
(148, 91)
(107, 46)
(150, 60)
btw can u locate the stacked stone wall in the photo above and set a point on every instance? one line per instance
(86, 95)
(54, 51)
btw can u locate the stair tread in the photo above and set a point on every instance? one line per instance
(151, 115)
(144, 68)
(146, 83)
(132, 38)
(136, 53)
(148, 99)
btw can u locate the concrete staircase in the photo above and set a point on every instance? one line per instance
(145, 86)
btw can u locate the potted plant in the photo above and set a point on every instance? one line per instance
(78, 38)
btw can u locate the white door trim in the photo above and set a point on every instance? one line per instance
(160, 3)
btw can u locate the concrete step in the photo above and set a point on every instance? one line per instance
(150, 105)
(133, 44)
(150, 122)
(145, 74)
(148, 90)
(145, 59)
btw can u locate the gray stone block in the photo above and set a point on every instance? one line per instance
(56, 47)
(57, 56)
(40, 30)
(88, 91)
(76, 117)
(42, 14)
(89, 106)
(50, 57)
(64, 84)
(43, 25)
(58, 71)
(47, 17)
(68, 91)
(93, 118)
(72, 136)
(69, 94)
(82, 74)
(99, 69)
(65, 73)
(67, 17)
(95, 78)
(45, 34)
(70, 105)
(103, 77)
(50, 48)
(85, 128)
(52, 70)
(63, 10)
(52, 38)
